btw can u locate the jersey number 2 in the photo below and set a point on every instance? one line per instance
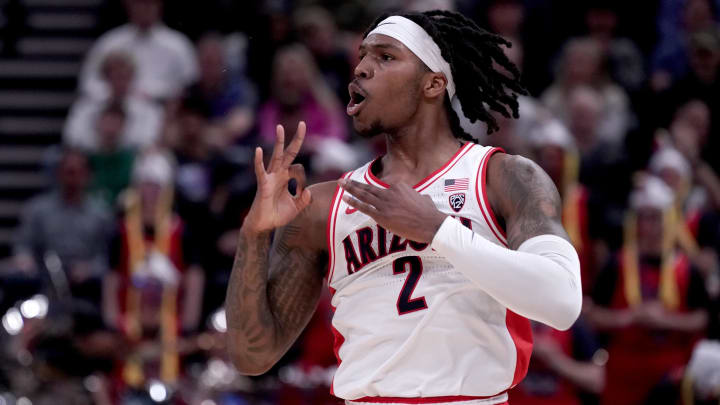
(406, 304)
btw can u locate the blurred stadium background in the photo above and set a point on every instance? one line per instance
(126, 133)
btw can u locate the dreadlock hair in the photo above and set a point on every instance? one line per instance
(471, 51)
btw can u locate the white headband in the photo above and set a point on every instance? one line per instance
(418, 42)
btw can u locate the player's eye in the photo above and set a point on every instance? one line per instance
(387, 56)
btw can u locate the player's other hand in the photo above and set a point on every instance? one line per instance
(273, 205)
(399, 209)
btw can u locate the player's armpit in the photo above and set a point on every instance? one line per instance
(525, 197)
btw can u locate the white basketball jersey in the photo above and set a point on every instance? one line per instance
(410, 328)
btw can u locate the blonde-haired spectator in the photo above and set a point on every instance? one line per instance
(144, 119)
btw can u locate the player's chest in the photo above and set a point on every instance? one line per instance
(361, 244)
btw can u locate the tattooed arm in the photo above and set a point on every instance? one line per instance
(273, 290)
(539, 276)
(525, 197)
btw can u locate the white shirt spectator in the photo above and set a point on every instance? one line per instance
(165, 61)
(616, 118)
(143, 123)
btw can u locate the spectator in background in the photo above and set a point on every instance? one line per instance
(702, 81)
(708, 261)
(671, 166)
(506, 17)
(231, 98)
(650, 301)
(143, 119)
(565, 367)
(599, 157)
(584, 118)
(553, 148)
(514, 133)
(624, 59)
(195, 156)
(317, 31)
(689, 133)
(69, 223)
(696, 114)
(165, 58)
(678, 20)
(300, 93)
(112, 163)
(271, 30)
(531, 112)
(581, 65)
(213, 190)
(154, 292)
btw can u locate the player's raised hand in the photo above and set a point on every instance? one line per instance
(274, 206)
(399, 209)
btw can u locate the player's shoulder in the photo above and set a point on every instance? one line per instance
(512, 179)
(504, 166)
(322, 195)
(313, 219)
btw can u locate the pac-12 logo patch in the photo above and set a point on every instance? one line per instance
(457, 201)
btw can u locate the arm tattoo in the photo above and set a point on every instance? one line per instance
(528, 200)
(270, 297)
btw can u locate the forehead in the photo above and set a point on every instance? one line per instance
(382, 41)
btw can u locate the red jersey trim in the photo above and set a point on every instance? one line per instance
(480, 182)
(330, 227)
(338, 341)
(427, 400)
(427, 181)
(521, 334)
(484, 190)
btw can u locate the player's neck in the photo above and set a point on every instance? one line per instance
(418, 149)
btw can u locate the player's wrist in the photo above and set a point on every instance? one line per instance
(442, 235)
(434, 225)
(252, 228)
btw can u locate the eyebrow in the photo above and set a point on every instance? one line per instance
(382, 45)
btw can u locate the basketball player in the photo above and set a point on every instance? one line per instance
(432, 284)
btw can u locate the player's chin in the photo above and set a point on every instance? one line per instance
(367, 129)
(360, 125)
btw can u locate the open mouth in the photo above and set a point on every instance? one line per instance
(357, 98)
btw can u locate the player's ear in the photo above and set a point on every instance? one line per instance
(435, 85)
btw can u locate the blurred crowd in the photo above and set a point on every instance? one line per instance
(115, 290)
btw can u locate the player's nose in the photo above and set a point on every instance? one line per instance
(363, 70)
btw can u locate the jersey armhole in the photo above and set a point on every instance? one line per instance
(482, 198)
(330, 227)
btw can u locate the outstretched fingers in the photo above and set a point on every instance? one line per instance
(276, 160)
(294, 148)
(259, 165)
